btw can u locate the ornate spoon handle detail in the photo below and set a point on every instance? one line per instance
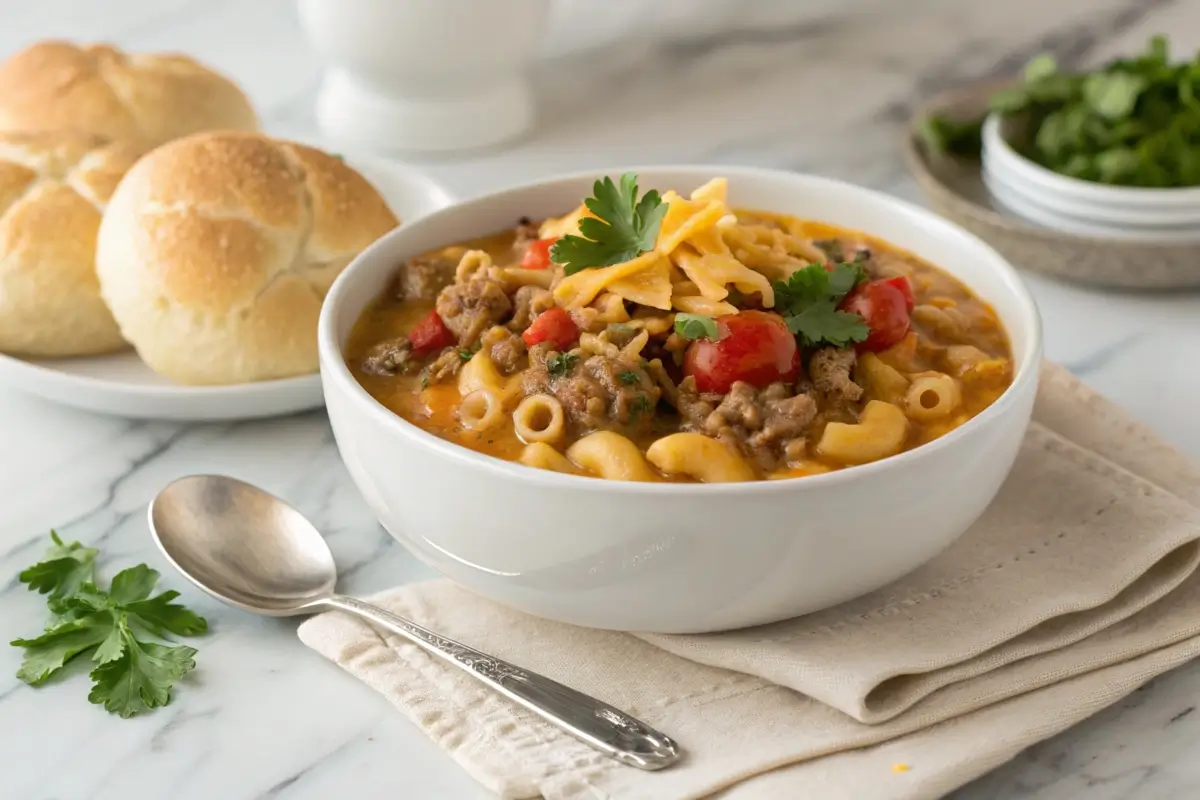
(608, 729)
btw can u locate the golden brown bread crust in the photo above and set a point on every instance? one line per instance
(218, 249)
(99, 89)
(53, 189)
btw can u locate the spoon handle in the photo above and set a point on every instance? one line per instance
(607, 729)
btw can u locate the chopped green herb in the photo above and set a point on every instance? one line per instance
(467, 353)
(629, 378)
(640, 405)
(808, 301)
(1133, 122)
(560, 364)
(696, 326)
(623, 228)
(425, 378)
(132, 675)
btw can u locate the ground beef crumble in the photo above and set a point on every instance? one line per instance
(468, 309)
(389, 357)
(769, 425)
(597, 392)
(423, 277)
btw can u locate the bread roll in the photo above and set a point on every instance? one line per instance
(98, 89)
(217, 250)
(53, 188)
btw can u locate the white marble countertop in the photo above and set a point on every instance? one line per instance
(816, 86)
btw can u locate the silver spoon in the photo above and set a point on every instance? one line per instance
(250, 549)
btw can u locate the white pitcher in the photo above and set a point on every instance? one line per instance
(425, 75)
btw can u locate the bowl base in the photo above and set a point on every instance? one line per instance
(349, 112)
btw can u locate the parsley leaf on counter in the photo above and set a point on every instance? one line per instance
(696, 326)
(623, 228)
(808, 302)
(1133, 122)
(64, 570)
(132, 675)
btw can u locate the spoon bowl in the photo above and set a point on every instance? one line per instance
(243, 546)
(252, 550)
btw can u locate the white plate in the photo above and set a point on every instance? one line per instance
(122, 385)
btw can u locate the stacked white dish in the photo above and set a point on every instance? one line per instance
(1085, 208)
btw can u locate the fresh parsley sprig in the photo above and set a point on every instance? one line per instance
(1133, 122)
(808, 302)
(133, 673)
(624, 226)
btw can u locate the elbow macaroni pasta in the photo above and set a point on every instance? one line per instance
(543, 456)
(611, 455)
(697, 456)
(932, 397)
(480, 410)
(880, 433)
(539, 418)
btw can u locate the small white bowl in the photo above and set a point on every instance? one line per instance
(999, 156)
(677, 557)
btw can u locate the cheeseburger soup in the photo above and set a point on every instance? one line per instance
(674, 338)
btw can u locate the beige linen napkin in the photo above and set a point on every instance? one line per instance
(1074, 588)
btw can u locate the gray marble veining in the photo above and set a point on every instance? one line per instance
(818, 86)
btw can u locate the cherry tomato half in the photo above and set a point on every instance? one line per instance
(905, 286)
(552, 325)
(885, 306)
(430, 335)
(538, 254)
(754, 346)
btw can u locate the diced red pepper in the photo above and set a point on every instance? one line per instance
(538, 254)
(553, 325)
(430, 335)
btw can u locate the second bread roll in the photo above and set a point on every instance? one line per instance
(99, 89)
(53, 189)
(217, 250)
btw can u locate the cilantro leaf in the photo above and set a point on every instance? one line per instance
(132, 675)
(141, 678)
(467, 353)
(560, 364)
(696, 326)
(808, 301)
(48, 653)
(65, 568)
(623, 227)
(821, 323)
(630, 378)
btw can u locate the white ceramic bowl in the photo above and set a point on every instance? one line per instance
(677, 557)
(1125, 210)
(1034, 208)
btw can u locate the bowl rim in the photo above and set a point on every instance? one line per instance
(336, 375)
(1029, 171)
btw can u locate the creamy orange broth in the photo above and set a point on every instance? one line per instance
(924, 349)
